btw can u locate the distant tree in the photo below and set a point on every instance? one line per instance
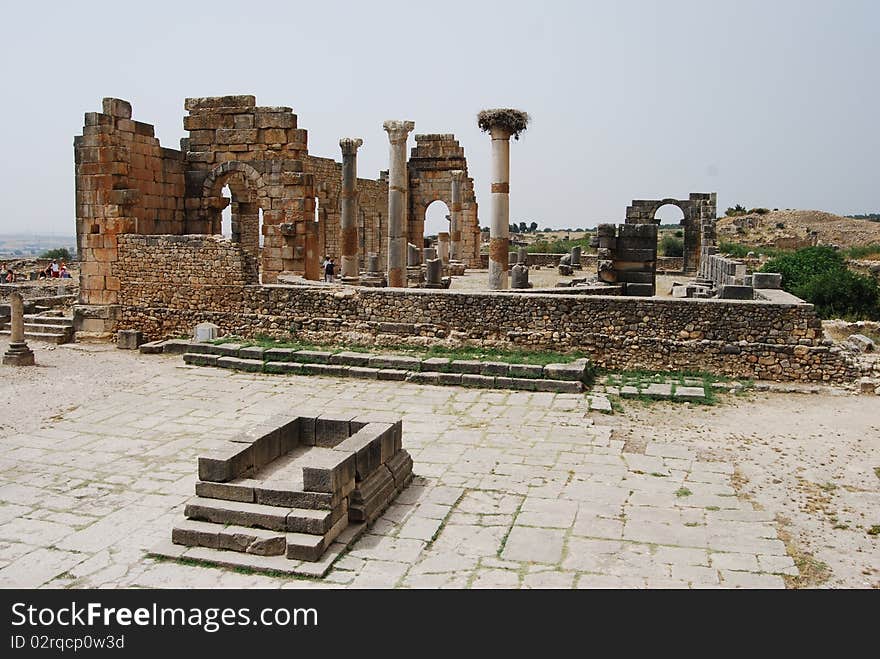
(523, 228)
(512, 228)
(59, 253)
(739, 209)
(533, 227)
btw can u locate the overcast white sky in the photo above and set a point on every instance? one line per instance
(770, 103)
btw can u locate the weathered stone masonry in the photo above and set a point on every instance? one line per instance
(741, 339)
(126, 183)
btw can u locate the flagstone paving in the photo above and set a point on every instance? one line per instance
(513, 490)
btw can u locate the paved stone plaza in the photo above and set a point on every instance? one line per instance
(513, 489)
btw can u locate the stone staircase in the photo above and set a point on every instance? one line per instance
(50, 326)
(293, 492)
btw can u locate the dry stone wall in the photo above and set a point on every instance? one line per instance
(741, 339)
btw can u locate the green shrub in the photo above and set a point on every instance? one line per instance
(59, 253)
(797, 268)
(671, 246)
(860, 252)
(842, 294)
(736, 250)
(820, 276)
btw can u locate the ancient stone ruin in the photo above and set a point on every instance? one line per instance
(293, 488)
(285, 203)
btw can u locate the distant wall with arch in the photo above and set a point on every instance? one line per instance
(699, 209)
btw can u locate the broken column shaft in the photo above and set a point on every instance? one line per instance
(18, 353)
(349, 202)
(455, 215)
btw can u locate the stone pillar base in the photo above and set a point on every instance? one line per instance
(18, 355)
(351, 281)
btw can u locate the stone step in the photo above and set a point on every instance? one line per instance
(273, 518)
(48, 337)
(257, 541)
(247, 540)
(266, 493)
(48, 319)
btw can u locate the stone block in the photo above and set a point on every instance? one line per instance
(392, 374)
(280, 354)
(470, 366)
(331, 429)
(328, 470)
(313, 356)
(861, 342)
(328, 370)
(228, 349)
(252, 352)
(558, 386)
(350, 358)
(395, 362)
(575, 372)
(482, 381)
(283, 368)
(435, 364)
(424, 377)
(733, 292)
(363, 372)
(526, 371)
(689, 393)
(205, 332)
(494, 368)
(639, 290)
(129, 339)
(450, 378)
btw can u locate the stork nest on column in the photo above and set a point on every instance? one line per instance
(514, 121)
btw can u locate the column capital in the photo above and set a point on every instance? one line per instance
(350, 145)
(398, 130)
(457, 175)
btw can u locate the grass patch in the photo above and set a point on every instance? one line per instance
(683, 492)
(874, 530)
(713, 508)
(877, 472)
(657, 474)
(513, 356)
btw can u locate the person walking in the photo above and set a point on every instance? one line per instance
(328, 270)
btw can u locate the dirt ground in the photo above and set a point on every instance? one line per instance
(813, 461)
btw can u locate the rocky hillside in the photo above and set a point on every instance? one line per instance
(791, 229)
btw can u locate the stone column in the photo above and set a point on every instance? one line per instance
(312, 262)
(443, 247)
(349, 212)
(455, 215)
(397, 188)
(499, 240)
(18, 353)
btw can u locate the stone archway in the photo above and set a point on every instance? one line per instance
(430, 167)
(699, 210)
(248, 198)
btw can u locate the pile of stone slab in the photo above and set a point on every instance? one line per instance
(559, 378)
(727, 279)
(285, 494)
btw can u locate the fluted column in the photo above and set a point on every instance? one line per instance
(455, 215)
(398, 131)
(499, 236)
(349, 200)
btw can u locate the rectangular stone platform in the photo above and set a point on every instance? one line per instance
(281, 495)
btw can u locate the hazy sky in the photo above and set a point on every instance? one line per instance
(770, 103)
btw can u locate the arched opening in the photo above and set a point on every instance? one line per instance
(226, 213)
(436, 218)
(670, 236)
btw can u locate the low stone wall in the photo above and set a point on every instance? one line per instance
(736, 338)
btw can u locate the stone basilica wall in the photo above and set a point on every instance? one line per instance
(736, 338)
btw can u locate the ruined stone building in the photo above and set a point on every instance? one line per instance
(284, 202)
